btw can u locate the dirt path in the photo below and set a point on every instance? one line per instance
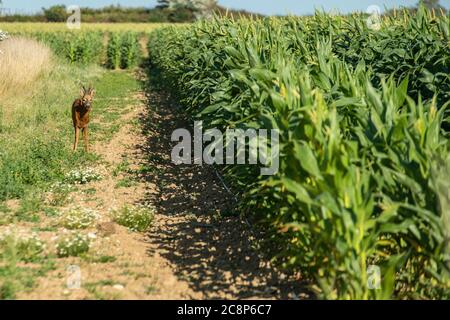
(194, 250)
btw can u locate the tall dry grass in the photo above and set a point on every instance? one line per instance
(21, 62)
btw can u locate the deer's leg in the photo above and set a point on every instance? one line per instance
(77, 136)
(86, 139)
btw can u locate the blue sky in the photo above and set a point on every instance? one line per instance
(262, 6)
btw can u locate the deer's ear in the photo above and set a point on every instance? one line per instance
(93, 93)
(82, 91)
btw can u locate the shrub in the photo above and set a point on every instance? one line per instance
(73, 244)
(59, 194)
(134, 218)
(56, 13)
(178, 15)
(83, 176)
(78, 218)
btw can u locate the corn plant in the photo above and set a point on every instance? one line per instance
(114, 53)
(83, 47)
(355, 187)
(115, 50)
(123, 50)
(130, 50)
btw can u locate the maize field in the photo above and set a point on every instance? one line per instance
(363, 121)
(115, 49)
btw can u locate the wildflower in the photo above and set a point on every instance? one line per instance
(136, 218)
(72, 244)
(78, 218)
(83, 176)
(92, 236)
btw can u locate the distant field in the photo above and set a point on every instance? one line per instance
(107, 44)
(27, 27)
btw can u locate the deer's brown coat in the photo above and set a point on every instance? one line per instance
(81, 110)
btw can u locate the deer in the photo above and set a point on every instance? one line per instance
(81, 110)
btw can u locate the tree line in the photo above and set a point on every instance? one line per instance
(174, 11)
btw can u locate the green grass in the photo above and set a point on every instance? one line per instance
(15, 277)
(35, 157)
(136, 218)
(122, 167)
(90, 191)
(93, 288)
(35, 132)
(151, 289)
(126, 182)
(51, 212)
(99, 259)
(36, 135)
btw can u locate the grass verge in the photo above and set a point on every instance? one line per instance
(35, 153)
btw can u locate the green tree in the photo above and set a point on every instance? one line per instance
(182, 14)
(173, 4)
(204, 8)
(163, 4)
(200, 8)
(431, 4)
(55, 13)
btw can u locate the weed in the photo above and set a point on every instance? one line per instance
(122, 167)
(78, 218)
(83, 176)
(90, 191)
(73, 244)
(126, 183)
(51, 212)
(100, 259)
(135, 218)
(59, 194)
(21, 246)
(151, 289)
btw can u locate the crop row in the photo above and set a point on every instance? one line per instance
(113, 50)
(362, 140)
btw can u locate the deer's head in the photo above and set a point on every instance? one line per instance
(87, 96)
